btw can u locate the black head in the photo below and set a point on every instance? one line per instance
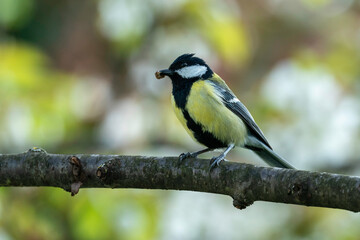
(186, 68)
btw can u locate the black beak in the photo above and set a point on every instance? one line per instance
(166, 72)
(162, 73)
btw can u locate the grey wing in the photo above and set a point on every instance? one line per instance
(234, 104)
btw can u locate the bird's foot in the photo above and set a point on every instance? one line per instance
(184, 156)
(215, 161)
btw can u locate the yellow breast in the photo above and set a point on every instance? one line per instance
(206, 109)
(181, 118)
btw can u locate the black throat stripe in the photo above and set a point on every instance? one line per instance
(204, 137)
(181, 90)
(181, 93)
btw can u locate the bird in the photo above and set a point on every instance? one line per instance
(212, 114)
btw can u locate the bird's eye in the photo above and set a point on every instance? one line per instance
(183, 65)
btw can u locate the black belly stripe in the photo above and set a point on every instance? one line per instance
(204, 137)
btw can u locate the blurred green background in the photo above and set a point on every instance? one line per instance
(78, 77)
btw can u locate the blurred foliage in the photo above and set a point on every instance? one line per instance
(15, 13)
(101, 214)
(78, 77)
(36, 99)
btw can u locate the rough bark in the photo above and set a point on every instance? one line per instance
(245, 183)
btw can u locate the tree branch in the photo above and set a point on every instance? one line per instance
(245, 183)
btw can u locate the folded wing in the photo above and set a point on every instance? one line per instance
(234, 104)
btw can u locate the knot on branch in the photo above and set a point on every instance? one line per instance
(241, 200)
(78, 175)
(104, 171)
(242, 203)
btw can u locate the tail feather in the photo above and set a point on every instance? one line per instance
(271, 158)
(266, 153)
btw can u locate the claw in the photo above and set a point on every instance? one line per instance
(193, 154)
(215, 161)
(184, 156)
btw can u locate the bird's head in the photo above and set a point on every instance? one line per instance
(186, 68)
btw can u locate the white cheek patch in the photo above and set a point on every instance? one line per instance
(192, 71)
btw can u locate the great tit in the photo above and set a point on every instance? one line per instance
(212, 114)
